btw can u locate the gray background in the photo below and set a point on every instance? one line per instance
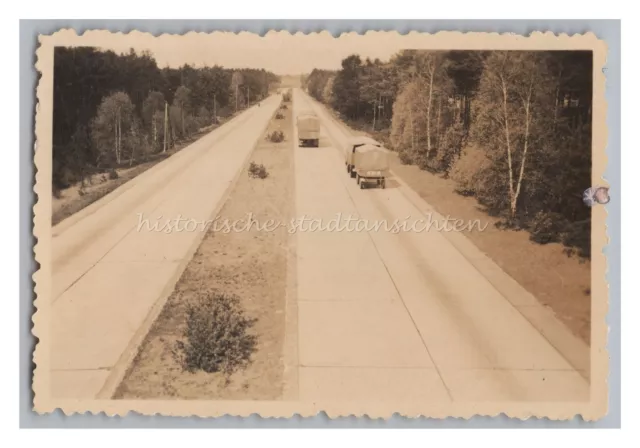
(609, 30)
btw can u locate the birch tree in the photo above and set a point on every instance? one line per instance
(431, 76)
(111, 126)
(327, 92)
(404, 127)
(518, 84)
(236, 82)
(153, 116)
(181, 101)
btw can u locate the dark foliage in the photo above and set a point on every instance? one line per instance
(84, 76)
(276, 136)
(258, 171)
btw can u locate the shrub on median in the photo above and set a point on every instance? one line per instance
(257, 171)
(276, 136)
(216, 336)
(279, 116)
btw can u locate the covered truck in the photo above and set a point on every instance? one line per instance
(371, 164)
(350, 148)
(309, 129)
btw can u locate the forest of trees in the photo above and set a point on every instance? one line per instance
(110, 109)
(512, 128)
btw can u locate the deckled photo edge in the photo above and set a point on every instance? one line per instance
(442, 39)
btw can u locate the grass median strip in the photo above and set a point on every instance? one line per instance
(227, 311)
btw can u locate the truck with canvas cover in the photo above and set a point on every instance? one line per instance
(371, 165)
(308, 129)
(350, 148)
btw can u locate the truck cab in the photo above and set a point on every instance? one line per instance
(350, 148)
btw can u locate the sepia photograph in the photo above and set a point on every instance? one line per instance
(360, 224)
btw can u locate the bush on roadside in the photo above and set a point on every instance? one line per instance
(405, 157)
(279, 116)
(257, 171)
(546, 227)
(216, 335)
(113, 174)
(577, 238)
(467, 172)
(283, 106)
(276, 136)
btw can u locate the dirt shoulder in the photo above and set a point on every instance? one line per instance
(559, 282)
(250, 264)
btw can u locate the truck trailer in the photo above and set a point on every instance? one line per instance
(309, 129)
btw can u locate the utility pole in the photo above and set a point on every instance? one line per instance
(166, 121)
(215, 115)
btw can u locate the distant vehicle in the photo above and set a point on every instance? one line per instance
(309, 129)
(350, 149)
(371, 164)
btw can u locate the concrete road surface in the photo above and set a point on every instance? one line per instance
(407, 316)
(109, 278)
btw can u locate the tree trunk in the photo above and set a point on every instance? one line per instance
(438, 121)
(120, 137)
(527, 110)
(133, 148)
(508, 142)
(184, 134)
(467, 113)
(375, 107)
(115, 135)
(432, 71)
(165, 127)
(413, 142)
(555, 110)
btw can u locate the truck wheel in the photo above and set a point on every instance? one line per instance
(348, 168)
(353, 173)
(383, 184)
(362, 185)
(317, 143)
(357, 179)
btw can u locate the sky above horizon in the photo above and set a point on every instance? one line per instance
(284, 53)
(279, 52)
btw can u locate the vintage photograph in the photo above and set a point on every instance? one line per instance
(293, 223)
